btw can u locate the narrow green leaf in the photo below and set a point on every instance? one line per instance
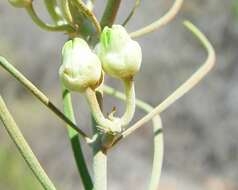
(75, 143)
(110, 13)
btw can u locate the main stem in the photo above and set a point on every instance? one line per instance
(99, 156)
(99, 166)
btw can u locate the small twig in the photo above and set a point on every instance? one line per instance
(84, 9)
(136, 5)
(23, 147)
(43, 25)
(160, 22)
(39, 95)
(54, 11)
(66, 11)
(186, 86)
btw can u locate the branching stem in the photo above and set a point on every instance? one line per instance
(84, 9)
(43, 25)
(54, 11)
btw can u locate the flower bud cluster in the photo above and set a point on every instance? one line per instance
(82, 70)
(117, 55)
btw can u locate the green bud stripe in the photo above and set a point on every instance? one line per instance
(106, 36)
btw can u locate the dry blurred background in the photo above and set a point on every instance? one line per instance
(201, 144)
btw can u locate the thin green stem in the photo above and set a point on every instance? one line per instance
(43, 25)
(75, 142)
(158, 137)
(54, 11)
(88, 13)
(66, 11)
(187, 85)
(110, 13)
(136, 5)
(169, 16)
(39, 95)
(101, 121)
(130, 102)
(158, 152)
(23, 147)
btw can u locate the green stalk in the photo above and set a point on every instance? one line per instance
(99, 168)
(45, 26)
(130, 102)
(92, 99)
(158, 152)
(66, 11)
(23, 147)
(88, 13)
(75, 143)
(158, 137)
(110, 13)
(54, 11)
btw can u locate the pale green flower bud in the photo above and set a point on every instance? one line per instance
(20, 3)
(80, 68)
(120, 55)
